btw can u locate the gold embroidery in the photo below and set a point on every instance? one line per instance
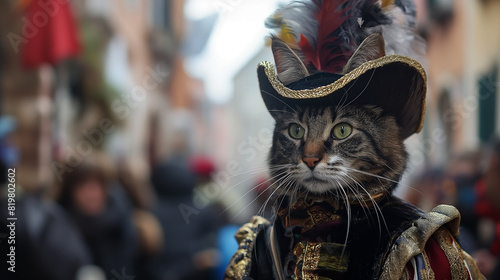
(318, 215)
(239, 266)
(313, 257)
(323, 91)
(386, 3)
(334, 257)
(453, 254)
(474, 270)
(427, 272)
(406, 274)
(412, 240)
(307, 260)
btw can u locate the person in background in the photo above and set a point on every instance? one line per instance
(453, 185)
(463, 174)
(47, 245)
(102, 212)
(189, 232)
(492, 177)
(488, 206)
(204, 168)
(426, 190)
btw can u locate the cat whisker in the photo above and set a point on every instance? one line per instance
(384, 178)
(256, 169)
(359, 94)
(276, 168)
(294, 196)
(241, 182)
(253, 189)
(376, 207)
(348, 208)
(256, 197)
(272, 95)
(386, 165)
(282, 111)
(291, 185)
(285, 181)
(361, 202)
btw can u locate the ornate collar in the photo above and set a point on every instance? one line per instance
(307, 219)
(316, 211)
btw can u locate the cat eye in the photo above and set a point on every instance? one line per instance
(296, 131)
(341, 131)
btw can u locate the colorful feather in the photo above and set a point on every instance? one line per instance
(330, 53)
(325, 33)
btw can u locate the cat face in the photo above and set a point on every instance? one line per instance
(348, 150)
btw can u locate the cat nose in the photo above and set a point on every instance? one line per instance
(311, 161)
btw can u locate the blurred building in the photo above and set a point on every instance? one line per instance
(463, 77)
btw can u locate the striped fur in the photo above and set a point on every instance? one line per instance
(372, 159)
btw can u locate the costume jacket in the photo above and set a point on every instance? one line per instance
(424, 248)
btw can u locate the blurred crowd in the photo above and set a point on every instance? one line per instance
(97, 119)
(471, 182)
(94, 228)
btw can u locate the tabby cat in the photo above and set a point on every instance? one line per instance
(353, 155)
(334, 166)
(349, 154)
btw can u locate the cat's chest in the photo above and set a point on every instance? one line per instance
(332, 245)
(332, 253)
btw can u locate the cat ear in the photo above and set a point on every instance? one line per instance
(289, 65)
(371, 48)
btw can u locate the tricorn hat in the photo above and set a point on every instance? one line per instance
(340, 59)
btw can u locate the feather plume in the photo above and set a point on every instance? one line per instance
(331, 52)
(326, 33)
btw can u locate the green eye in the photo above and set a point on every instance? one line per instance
(341, 131)
(296, 131)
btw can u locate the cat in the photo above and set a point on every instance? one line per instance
(333, 169)
(349, 154)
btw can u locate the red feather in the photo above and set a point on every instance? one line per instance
(329, 55)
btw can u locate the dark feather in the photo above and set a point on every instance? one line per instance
(329, 31)
(331, 52)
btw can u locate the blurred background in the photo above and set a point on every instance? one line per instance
(139, 138)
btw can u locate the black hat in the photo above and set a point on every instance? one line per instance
(395, 83)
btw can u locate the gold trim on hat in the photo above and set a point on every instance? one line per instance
(326, 90)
